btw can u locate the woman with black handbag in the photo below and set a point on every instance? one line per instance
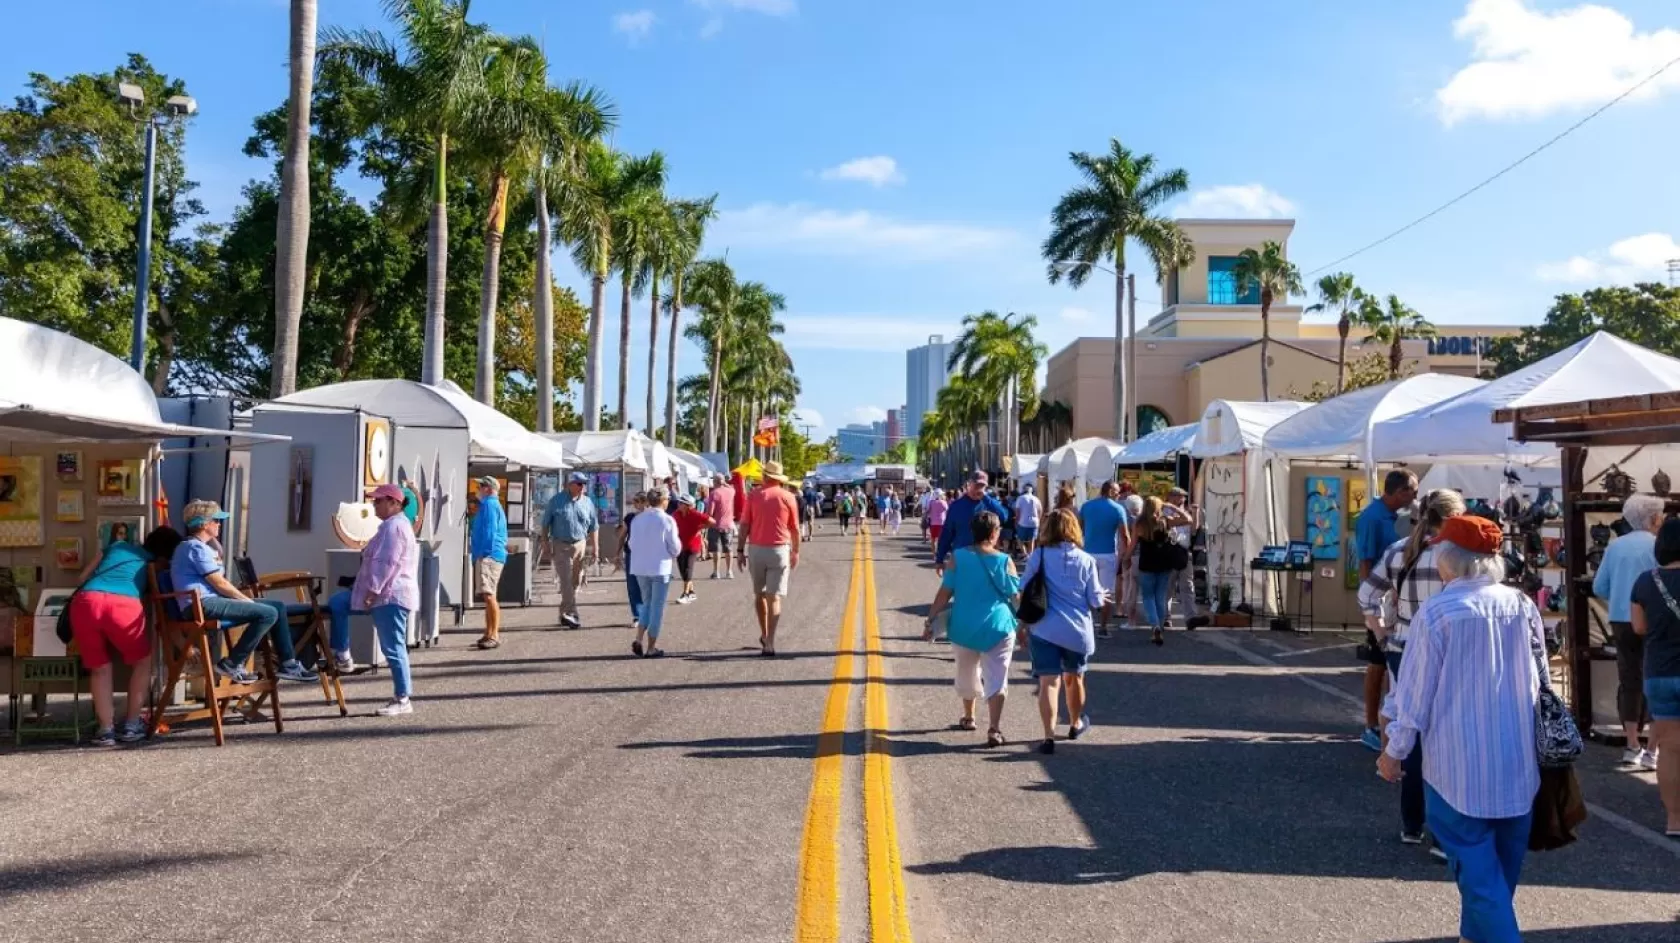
(977, 595)
(1059, 633)
(1158, 558)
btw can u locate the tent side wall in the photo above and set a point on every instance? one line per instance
(290, 519)
(435, 461)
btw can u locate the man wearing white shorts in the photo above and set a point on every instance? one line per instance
(1108, 539)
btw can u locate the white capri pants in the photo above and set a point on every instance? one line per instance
(984, 674)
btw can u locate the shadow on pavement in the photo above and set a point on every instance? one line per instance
(75, 873)
(195, 737)
(1605, 933)
(799, 747)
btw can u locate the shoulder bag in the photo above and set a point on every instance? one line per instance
(1006, 598)
(1035, 596)
(1557, 740)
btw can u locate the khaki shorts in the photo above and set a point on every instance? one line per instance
(768, 569)
(487, 575)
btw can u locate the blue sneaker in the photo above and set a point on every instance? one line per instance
(131, 731)
(1372, 739)
(234, 673)
(105, 739)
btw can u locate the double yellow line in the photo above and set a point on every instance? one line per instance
(818, 919)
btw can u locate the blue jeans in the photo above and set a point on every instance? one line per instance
(390, 623)
(1152, 590)
(1485, 857)
(633, 583)
(339, 612)
(653, 591)
(260, 617)
(1411, 782)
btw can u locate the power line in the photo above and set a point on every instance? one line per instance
(1507, 169)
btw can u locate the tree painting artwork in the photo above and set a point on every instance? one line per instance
(120, 481)
(1324, 516)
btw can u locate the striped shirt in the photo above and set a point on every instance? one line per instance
(1469, 684)
(1393, 602)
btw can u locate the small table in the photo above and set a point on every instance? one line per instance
(28, 671)
(1305, 608)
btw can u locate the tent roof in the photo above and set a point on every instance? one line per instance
(1026, 466)
(1159, 445)
(55, 387)
(1069, 461)
(615, 447)
(1340, 428)
(443, 406)
(1229, 427)
(1462, 428)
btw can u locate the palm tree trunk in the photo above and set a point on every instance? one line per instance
(624, 352)
(292, 232)
(1395, 355)
(592, 367)
(714, 399)
(1119, 339)
(653, 350)
(543, 307)
(437, 265)
(1342, 327)
(1265, 346)
(671, 361)
(484, 379)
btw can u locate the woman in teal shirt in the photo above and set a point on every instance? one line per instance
(979, 589)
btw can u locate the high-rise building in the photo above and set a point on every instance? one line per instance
(925, 375)
(861, 441)
(895, 426)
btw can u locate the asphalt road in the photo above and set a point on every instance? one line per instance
(559, 789)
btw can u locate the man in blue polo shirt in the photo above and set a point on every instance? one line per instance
(1108, 539)
(957, 534)
(1373, 532)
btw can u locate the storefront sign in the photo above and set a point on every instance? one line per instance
(1460, 346)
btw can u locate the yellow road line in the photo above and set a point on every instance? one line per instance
(889, 920)
(818, 919)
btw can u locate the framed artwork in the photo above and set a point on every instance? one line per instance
(516, 515)
(300, 488)
(15, 585)
(68, 465)
(606, 490)
(67, 552)
(376, 452)
(1358, 495)
(1324, 516)
(129, 530)
(20, 501)
(119, 481)
(515, 491)
(68, 509)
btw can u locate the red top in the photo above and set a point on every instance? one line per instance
(691, 525)
(771, 518)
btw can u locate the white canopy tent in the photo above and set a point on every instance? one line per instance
(1339, 429)
(618, 447)
(1160, 446)
(1241, 510)
(445, 406)
(1230, 427)
(1026, 467)
(1069, 464)
(1462, 430)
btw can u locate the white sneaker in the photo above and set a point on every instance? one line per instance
(396, 707)
(1630, 756)
(1647, 760)
(344, 663)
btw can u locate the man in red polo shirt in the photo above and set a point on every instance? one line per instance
(770, 533)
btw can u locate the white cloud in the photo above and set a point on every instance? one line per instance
(1072, 313)
(876, 171)
(867, 332)
(1526, 63)
(1636, 258)
(714, 26)
(1237, 201)
(867, 414)
(634, 25)
(800, 227)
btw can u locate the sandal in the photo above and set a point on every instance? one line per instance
(636, 649)
(656, 653)
(965, 723)
(1047, 747)
(484, 644)
(994, 738)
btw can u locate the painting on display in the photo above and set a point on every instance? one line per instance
(68, 508)
(128, 530)
(1350, 561)
(1149, 483)
(68, 466)
(300, 487)
(67, 552)
(120, 481)
(606, 490)
(16, 583)
(376, 452)
(20, 501)
(1358, 494)
(1324, 516)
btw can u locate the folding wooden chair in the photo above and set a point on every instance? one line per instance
(310, 629)
(184, 635)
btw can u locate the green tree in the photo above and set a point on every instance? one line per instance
(1276, 277)
(999, 356)
(1368, 369)
(1393, 322)
(1647, 314)
(688, 231)
(1338, 292)
(1119, 199)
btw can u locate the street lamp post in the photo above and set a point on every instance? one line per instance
(1125, 392)
(178, 106)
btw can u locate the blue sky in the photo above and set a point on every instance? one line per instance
(890, 166)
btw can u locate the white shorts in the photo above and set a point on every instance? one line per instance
(984, 674)
(1108, 564)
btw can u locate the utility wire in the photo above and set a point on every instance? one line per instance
(1507, 169)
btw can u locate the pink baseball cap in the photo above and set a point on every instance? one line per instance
(387, 491)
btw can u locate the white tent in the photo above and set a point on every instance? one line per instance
(1462, 429)
(1026, 467)
(1229, 427)
(1160, 445)
(1241, 510)
(1069, 463)
(54, 387)
(445, 406)
(1339, 429)
(618, 447)
(697, 465)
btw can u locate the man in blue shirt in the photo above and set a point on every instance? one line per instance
(1625, 560)
(488, 548)
(1373, 532)
(1108, 539)
(571, 525)
(957, 534)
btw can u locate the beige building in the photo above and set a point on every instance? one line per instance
(1204, 345)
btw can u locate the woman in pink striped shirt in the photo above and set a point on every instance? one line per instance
(388, 589)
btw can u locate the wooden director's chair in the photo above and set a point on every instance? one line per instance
(184, 636)
(309, 629)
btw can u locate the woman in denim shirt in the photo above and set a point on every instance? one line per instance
(983, 583)
(1063, 641)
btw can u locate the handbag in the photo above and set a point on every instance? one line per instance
(62, 628)
(1557, 741)
(1035, 596)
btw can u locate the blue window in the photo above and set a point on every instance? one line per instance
(1222, 283)
(1151, 419)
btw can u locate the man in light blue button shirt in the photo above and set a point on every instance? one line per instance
(1628, 556)
(570, 523)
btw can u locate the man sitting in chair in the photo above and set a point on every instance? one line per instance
(197, 565)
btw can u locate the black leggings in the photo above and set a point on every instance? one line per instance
(685, 565)
(1630, 675)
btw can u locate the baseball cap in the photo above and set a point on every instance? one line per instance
(577, 478)
(978, 477)
(387, 491)
(685, 498)
(489, 482)
(1476, 534)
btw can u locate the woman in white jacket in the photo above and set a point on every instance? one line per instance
(653, 547)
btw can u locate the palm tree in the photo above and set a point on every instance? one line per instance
(637, 218)
(433, 82)
(688, 233)
(291, 238)
(1393, 324)
(659, 232)
(998, 355)
(1119, 199)
(1276, 277)
(1338, 291)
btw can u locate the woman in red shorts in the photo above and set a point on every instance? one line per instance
(106, 613)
